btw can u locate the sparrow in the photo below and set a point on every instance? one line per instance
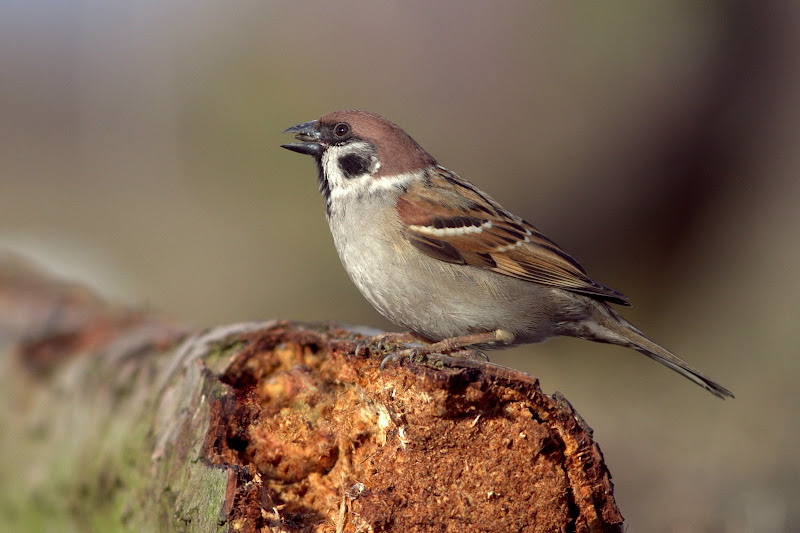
(436, 255)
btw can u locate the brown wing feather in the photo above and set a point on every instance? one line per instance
(448, 219)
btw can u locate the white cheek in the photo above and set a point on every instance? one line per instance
(363, 185)
(339, 183)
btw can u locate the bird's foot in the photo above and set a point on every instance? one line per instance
(384, 342)
(457, 344)
(443, 352)
(435, 359)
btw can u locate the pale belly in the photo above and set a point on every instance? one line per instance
(441, 300)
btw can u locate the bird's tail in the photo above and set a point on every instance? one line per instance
(616, 330)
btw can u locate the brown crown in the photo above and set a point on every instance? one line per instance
(397, 151)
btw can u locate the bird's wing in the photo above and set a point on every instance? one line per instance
(449, 219)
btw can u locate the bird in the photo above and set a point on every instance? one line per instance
(439, 257)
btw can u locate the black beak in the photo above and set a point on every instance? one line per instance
(309, 136)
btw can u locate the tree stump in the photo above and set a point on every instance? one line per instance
(115, 420)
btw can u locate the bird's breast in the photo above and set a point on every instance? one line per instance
(420, 293)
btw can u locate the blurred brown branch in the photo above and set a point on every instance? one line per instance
(122, 418)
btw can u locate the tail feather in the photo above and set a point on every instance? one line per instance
(620, 331)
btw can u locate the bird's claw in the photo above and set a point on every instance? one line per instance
(382, 343)
(401, 345)
(361, 346)
(375, 344)
(399, 355)
(423, 355)
(391, 358)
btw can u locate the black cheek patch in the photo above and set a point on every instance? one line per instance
(353, 165)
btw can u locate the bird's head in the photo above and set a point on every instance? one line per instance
(358, 152)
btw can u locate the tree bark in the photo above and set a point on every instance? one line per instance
(115, 420)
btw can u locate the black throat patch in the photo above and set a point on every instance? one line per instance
(324, 186)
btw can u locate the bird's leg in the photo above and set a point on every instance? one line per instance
(456, 346)
(380, 342)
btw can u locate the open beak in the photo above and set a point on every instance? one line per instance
(309, 137)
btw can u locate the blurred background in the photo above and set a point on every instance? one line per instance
(658, 144)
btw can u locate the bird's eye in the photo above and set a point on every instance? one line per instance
(341, 129)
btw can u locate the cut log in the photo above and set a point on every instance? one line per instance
(118, 420)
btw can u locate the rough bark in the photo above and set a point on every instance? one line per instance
(122, 421)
